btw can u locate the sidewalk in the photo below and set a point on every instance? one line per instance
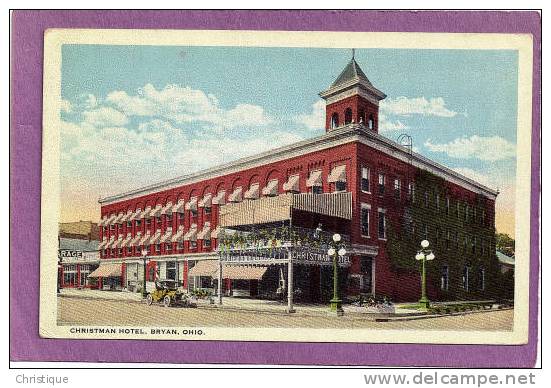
(98, 294)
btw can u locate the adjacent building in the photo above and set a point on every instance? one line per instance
(382, 197)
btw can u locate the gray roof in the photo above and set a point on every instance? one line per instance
(77, 244)
(351, 72)
(504, 259)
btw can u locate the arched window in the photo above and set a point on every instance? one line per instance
(361, 116)
(370, 122)
(151, 274)
(347, 116)
(334, 120)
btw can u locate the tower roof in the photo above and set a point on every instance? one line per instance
(352, 72)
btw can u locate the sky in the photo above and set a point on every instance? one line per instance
(136, 115)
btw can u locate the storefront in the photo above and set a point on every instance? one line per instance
(77, 259)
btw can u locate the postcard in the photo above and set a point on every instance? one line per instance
(348, 187)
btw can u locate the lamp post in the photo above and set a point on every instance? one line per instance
(424, 254)
(334, 251)
(144, 288)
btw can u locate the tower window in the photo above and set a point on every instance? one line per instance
(334, 120)
(347, 116)
(361, 116)
(370, 122)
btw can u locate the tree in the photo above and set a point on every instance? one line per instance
(505, 244)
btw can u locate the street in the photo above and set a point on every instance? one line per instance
(80, 311)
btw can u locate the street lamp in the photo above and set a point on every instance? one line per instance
(334, 251)
(144, 288)
(423, 255)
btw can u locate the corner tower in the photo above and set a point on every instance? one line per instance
(352, 99)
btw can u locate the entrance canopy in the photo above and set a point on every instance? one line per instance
(106, 271)
(209, 268)
(267, 210)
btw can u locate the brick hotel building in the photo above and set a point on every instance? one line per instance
(351, 180)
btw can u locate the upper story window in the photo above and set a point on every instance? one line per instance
(447, 206)
(365, 219)
(206, 243)
(317, 189)
(411, 191)
(382, 224)
(128, 224)
(361, 116)
(347, 116)
(381, 183)
(138, 223)
(437, 201)
(466, 212)
(397, 188)
(334, 120)
(370, 122)
(168, 247)
(365, 180)
(426, 199)
(340, 186)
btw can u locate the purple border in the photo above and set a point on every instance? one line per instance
(25, 166)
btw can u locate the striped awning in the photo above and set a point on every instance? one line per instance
(118, 218)
(110, 219)
(243, 272)
(102, 244)
(167, 235)
(271, 188)
(205, 233)
(156, 212)
(167, 209)
(110, 242)
(253, 191)
(156, 237)
(220, 198)
(179, 236)
(192, 204)
(136, 215)
(145, 239)
(147, 212)
(274, 209)
(314, 179)
(133, 242)
(118, 242)
(125, 242)
(191, 234)
(338, 174)
(292, 184)
(127, 216)
(103, 221)
(107, 271)
(205, 268)
(179, 206)
(206, 201)
(236, 195)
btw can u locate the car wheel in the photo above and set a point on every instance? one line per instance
(166, 301)
(149, 299)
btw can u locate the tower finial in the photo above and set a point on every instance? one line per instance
(353, 53)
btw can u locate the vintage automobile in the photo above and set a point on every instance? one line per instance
(167, 293)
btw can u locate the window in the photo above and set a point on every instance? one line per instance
(169, 217)
(445, 278)
(361, 116)
(113, 251)
(208, 210)
(157, 248)
(206, 243)
(317, 189)
(397, 188)
(128, 224)
(466, 212)
(465, 279)
(340, 186)
(181, 217)
(138, 223)
(120, 251)
(483, 217)
(138, 250)
(371, 122)
(465, 243)
(193, 244)
(457, 209)
(171, 270)
(180, 245)
(129, 251)
(112, 226)
(151, 274)
(448, 233)
(381, 184)
(447, 206)
(347, 116)
(365, 180)
(436, 236)
(334, 120)
(411, 191)
(159, 220)
(382, 224)
(193, 212)
(481, 279)
(365, 219)
(437, 201)
(148, 222)
(168, 247)
(473, 245)
(426, 199)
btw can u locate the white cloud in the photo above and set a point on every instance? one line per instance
(385, 124)
(315, 119)
(186, 105)
(104, 117)
(490, 148)
(66, 106)
(403, 106)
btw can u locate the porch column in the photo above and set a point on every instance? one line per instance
(373, 261)
(290, 308)
(220, 278)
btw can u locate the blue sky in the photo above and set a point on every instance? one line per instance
(166, 109)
